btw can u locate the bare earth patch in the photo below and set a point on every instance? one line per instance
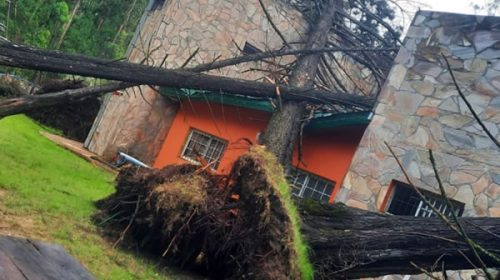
(21, 226)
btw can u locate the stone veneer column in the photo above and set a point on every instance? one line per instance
(419, 109)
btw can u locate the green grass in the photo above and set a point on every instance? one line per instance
(54, 191)
(277, 177)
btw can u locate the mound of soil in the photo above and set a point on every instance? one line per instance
(228, 227)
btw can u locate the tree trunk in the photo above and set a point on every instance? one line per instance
(351, 243)
(283, 129)
(29, 102)
(67, 25)
(125, 21)
(52, 61)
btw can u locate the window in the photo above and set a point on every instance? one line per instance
(157, 4)
(307, 185)
(405, 201)
(250, 49)
(205, 145)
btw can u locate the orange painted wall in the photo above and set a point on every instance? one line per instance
(329, 153)
(227, 122)
(326, 154)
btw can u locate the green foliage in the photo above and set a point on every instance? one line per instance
(98, 22)
(56, 190)
(92, 31)
(61, 8)
(34, 22)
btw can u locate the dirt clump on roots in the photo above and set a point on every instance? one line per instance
(227, 227)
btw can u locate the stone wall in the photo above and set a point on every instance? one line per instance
(137, 121)
(420, 109)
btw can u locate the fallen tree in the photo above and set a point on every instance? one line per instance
(244, 225)
(58, 62)
(24, 103)
(333, 252)
(353, 243)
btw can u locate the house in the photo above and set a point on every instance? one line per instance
(343, 157)
(168, 34)
(177, 125)
(222, 128)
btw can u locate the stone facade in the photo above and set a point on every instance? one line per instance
(419, 109)
(137, 121)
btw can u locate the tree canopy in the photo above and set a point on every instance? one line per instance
(96, 28)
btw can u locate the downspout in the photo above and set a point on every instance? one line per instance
(107, 97)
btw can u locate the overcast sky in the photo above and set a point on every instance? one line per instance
(455, 6)
(452, 6)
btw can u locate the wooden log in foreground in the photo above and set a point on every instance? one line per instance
(58, 62)
(351, 243)
(25, 259)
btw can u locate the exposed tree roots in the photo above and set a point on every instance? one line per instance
(234, 226)
(245, 226)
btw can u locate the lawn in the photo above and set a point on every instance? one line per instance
(47, 193)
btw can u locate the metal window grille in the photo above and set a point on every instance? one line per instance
(406, 202)
(307, 185)
(205, 145)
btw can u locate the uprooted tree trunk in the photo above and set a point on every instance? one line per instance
(353, 243)
(244, 225)
(284, 126)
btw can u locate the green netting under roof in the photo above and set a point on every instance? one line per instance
(321, 120)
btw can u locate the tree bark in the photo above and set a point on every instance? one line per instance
(53, 61)
(283, 129)
(351, 243)
(29, 102)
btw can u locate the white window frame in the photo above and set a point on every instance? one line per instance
(214, 163)
(293, 177)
